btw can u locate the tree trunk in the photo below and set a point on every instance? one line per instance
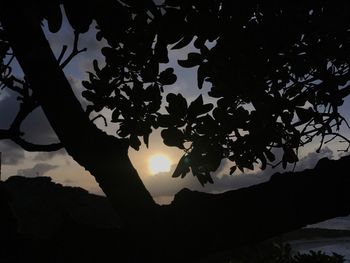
(194, 223)
(105, 157)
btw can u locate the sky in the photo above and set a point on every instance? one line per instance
(63, 169)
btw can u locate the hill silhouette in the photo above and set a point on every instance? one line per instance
(42, 206)
(58, 223)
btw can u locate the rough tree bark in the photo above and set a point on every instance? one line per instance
(194, 223)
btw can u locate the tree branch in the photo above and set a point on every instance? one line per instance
(28, 146)
(25, 109)
(63, 51)
(203, 223)
(74, 52)
(344, 92)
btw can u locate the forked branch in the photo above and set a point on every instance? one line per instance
(75, 51)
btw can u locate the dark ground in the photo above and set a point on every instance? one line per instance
(42, 221)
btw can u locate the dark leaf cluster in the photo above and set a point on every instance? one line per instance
(278, 70)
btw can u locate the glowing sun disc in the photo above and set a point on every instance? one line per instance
(159, 163)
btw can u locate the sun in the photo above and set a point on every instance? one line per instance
(159, 163)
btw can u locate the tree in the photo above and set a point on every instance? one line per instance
(279, 72)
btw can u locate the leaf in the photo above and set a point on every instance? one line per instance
(197, 108)
(86, 84)
(183, 167)
(210, 180)
(95, 65)
(173, 137)
(53, 15)
(152, 93)
(270, 156)
(112, 56)
(206, 125)
(80, 19)
(115, 115)
(89, 95)
(150, 71)
(290, 155)
(199, 42)
(304, 114)
(177, 105)
(201, 74)
(183, 42)
(123, 130)
(193, 59)
(146, 139)
(202, 176)
(127, 90)
(167, 77)
(165, 121)
(135, 142)
(233, 169)
(161, 52)
(214, 156)
(263, 161)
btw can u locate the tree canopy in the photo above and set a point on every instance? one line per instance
(279, 72)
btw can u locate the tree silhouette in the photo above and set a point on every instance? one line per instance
(279, 73)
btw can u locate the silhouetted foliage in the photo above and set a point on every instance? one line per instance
(276, 252)
(278, 72)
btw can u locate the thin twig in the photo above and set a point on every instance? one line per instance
(74, 52)
(63, 51)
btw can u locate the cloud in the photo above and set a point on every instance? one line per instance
(11, 153)
(37, 170)
(8, 108)
(44, 156)
(37, 129)
(310, 160)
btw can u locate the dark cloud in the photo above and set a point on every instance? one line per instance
(37, 129)
(8, 108)
(44, 156)
(11, 153)
(37, 170)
